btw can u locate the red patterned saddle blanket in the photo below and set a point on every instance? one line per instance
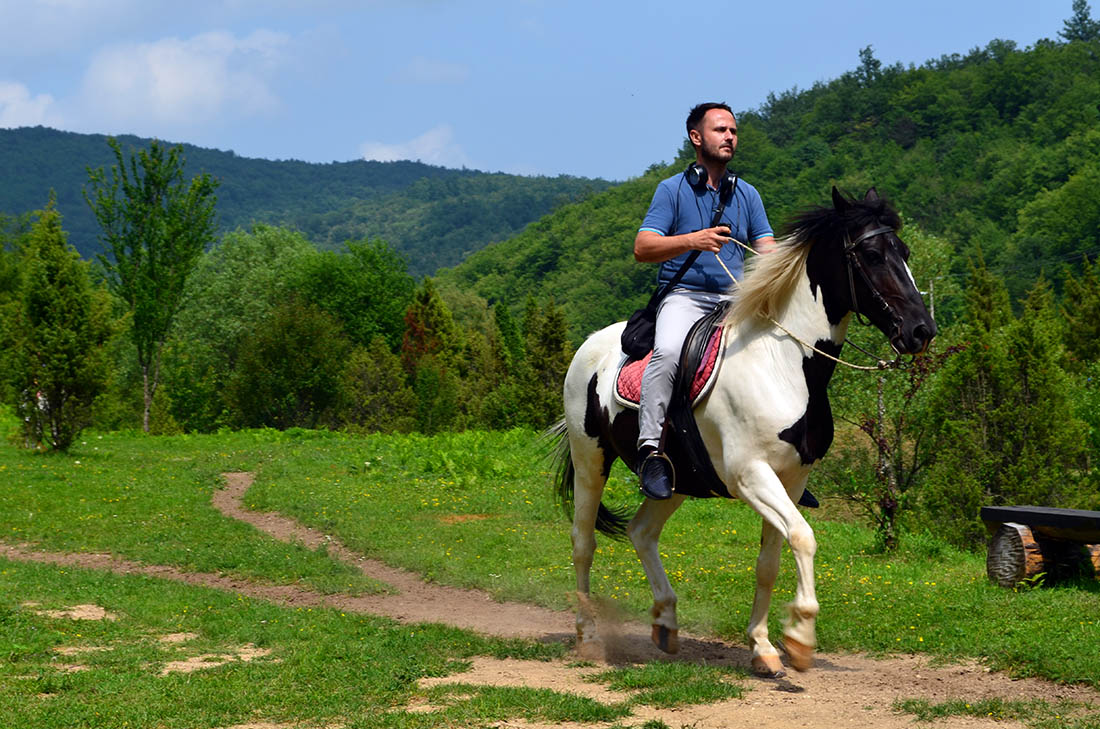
(628, 382)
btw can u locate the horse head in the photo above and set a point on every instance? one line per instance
(875, 274)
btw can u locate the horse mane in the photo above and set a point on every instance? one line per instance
(772, 276)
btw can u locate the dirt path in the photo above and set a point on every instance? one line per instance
(842, 690)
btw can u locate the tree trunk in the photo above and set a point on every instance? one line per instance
(147, 394)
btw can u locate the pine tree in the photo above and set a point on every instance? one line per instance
(1081, 309)
(57, 366)
(1080, 27)
(1006, 431)
(429, 351)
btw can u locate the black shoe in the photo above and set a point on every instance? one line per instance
(655, 474)
(808, 500)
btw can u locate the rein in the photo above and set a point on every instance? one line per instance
(849, 249)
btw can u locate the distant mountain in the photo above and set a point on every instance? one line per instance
(997, 151)
(435, 216)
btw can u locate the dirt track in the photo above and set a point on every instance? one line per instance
(842, 690)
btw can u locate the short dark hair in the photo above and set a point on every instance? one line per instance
(695, 116)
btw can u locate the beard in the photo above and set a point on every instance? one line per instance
(716, 154)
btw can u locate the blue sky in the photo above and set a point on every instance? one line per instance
(590, 88)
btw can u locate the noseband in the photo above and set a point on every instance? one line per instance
(854, 262)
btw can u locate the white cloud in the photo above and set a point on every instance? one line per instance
(19, 109)
(420, 70)
(36, 28)
(185, 83)
(435, 146)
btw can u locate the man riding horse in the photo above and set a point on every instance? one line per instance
(700, 209)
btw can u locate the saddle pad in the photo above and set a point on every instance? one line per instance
(628, 382)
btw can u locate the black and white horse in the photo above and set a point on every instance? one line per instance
(765, 421)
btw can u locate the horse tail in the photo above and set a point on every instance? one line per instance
(608, 521)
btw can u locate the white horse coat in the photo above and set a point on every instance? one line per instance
(766, 420)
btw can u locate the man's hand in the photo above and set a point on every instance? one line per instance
(710, 239)
(651, 247)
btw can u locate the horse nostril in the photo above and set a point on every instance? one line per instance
(923, 333)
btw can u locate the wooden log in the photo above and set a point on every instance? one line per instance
(1094, 557)
(1013, 555)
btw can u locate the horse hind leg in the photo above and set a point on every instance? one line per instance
(765, 658)
(589, 480)
(645, 531)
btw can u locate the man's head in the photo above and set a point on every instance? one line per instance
(712, 130)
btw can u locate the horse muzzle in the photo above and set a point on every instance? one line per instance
(915, 339)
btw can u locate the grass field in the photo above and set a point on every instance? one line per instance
(471, 509)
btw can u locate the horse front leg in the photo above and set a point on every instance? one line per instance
(762, 489)
(644, 531)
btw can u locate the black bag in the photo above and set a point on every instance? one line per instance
(641, 327)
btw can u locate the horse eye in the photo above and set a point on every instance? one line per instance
(872, 256)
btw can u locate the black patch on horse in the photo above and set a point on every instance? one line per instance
(596, 426)
(812, 434)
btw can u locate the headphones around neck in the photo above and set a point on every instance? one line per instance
(696, 176)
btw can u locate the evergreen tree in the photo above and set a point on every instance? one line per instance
(428, 354)
(57, 367)
(154, 226)
(1006, 431)
(1081, 310)
(375, 397)
(547, 358)
(1081, 26)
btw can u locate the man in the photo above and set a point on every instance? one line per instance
(679, 222)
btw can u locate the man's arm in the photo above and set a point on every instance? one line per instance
(764, 244)
(652, 247)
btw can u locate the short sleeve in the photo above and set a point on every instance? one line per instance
(662, 211)
(759, 227)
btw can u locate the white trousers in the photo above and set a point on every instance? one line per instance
(676, 315)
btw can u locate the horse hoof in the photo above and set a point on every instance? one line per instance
(800, 655)
(768, 666)
(667, 639)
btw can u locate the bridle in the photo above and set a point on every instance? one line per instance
(854, 263)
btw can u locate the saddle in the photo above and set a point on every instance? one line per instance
(700, 356)
(699, 363)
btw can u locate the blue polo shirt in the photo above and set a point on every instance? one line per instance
(679, 208)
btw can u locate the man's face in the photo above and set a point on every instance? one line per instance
(716, 137)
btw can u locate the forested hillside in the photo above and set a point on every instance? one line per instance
(997, 150)
(417, 208)
(992, 157)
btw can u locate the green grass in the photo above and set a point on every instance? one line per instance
(403, 499)
(321, 665)
(148, 499)
(1036, 713)
(471, 509)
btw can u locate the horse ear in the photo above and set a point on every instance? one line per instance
(838, 200)
(871, 196)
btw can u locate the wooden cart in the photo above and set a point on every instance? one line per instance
(1026, 541)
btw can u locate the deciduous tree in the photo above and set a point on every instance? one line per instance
(154, 228)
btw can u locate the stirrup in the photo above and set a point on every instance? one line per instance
(670, 474)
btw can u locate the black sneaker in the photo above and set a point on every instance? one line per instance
(656, 475)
